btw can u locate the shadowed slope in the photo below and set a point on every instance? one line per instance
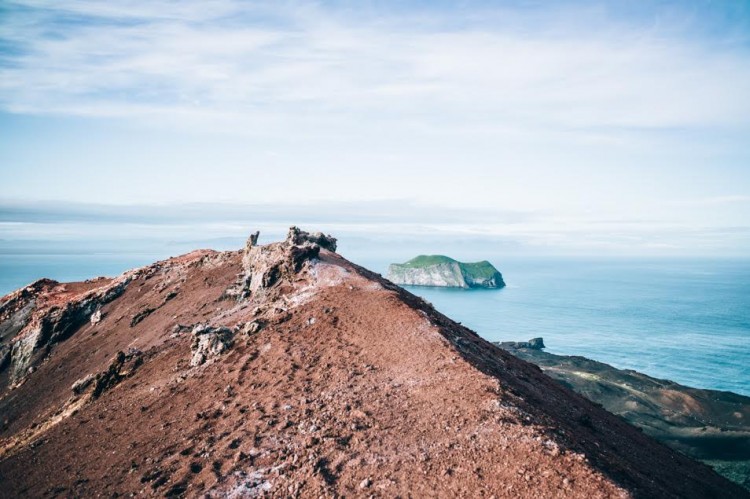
(709, 425)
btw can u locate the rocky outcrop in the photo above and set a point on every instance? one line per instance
(44, 324)
(209, 342)
(264, 266)
(299, 237)
(442, 271)
(34, 319)
(533, 344)
(122, 366)
(16, 308)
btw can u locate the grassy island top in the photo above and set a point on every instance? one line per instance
(483, 269)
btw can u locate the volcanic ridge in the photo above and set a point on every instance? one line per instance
(285, 370)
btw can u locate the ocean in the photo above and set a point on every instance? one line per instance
(678, 319)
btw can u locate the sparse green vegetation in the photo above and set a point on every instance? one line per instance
(426, 260)
(477, 270)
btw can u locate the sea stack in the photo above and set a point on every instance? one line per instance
(443, 271)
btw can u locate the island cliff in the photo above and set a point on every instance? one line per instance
(443, 271)
(283, 370)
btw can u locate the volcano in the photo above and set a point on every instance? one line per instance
(286, 370)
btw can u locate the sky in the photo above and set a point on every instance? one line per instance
(571, 127)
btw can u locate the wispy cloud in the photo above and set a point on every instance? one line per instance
(729, 199)
(340, 212)
(266, 68)
(573, 124)
(388, 227)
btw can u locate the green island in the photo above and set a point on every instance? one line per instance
(444, 271)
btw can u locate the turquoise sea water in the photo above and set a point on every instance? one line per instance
(684, 320)
(17, 271)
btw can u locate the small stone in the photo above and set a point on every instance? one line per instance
(83, 383)
(365, 483)
(253, 327)
(96, 317)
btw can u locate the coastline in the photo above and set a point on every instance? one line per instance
(708, 425)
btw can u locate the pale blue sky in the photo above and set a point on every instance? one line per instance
(586, 127)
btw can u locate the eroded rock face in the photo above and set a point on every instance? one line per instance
(46, 326)
(16, 309)
(440, 275)
(264, 266)
(34, 319)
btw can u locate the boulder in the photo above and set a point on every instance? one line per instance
(297, 236)
(532, 344)
(96, 317)
(209, 342)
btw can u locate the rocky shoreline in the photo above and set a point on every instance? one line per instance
(708, 425)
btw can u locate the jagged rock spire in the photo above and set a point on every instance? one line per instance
(297, 236)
